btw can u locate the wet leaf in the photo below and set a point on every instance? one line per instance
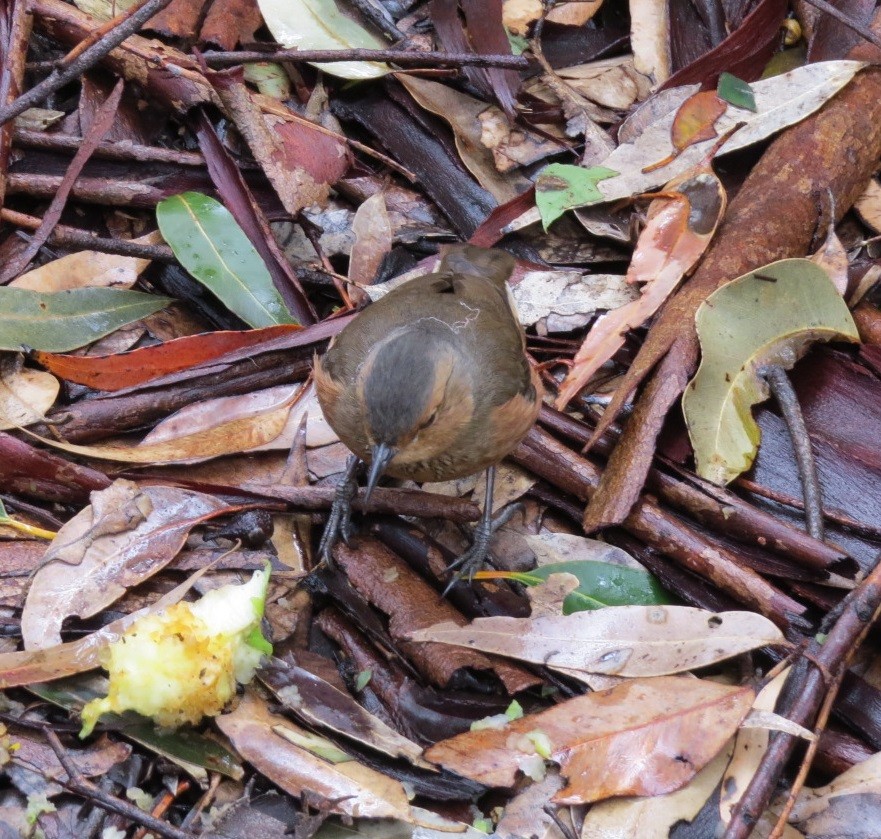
(599, 584)
(66, 320)
(215, 250)
(626, 641)
(644, 737)
(736, 91)
(669, 247)
(769, 316)
(561, 187)
(123, 537)
(319, 25)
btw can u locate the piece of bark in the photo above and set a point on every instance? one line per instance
(774, 216)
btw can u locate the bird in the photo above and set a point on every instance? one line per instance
(431, 383)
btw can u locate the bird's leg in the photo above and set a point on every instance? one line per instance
(339, 522)
(471, 561)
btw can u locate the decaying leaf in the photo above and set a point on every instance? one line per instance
(673, 241)
(841, 807)
(124, 536)
(88, 269)
(25, 394)
(695, 122)
(649, 38)
(621, 641)
(654, 818)
(780, 101)
(561, 187)
(769, 316)
(349, 787)
(373, 240)
(319, 25)
(643, 737)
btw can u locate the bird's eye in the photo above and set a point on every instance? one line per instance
(430, 420)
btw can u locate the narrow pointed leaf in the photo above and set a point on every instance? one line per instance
(215, 250)
(66, 320)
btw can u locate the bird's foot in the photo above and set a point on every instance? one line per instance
(339, 522)
(473, 559)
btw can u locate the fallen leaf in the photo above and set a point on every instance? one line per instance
(750, 746)
(736, 91)
(373, 240)
(129, 369)
(348, 787)
(780, 101)
(253, 420)
(654, 818)
(836, 809)
(66, 320)
(868, 205)
(673, 241)
(560, 187)
(88, 269)
(649, 39)
(319, 25)
(769, 316)
(215, 250)
(626, 641)
(645, 737)
(124, 536)
(25, 394)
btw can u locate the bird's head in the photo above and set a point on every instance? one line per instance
(417, 394)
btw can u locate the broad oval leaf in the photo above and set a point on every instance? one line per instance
(561, 187)
(66, 320)
(769, 316)
(215, 250)
(600, 584)
(319, 25)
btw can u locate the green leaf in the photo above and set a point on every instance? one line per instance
(769, 316)
(319, 25)
(186, 747)
(600, 584)
(560, 187)
(737, 92)
(215, 250)
(60, 321)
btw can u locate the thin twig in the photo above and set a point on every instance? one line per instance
(402, 59)
(73, 237)
(58, 78)
(786, 398)
(861, 30)
(111, 150)
(79, 785)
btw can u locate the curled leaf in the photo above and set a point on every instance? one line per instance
(769, 316)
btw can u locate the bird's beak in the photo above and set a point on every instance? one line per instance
(379, 459)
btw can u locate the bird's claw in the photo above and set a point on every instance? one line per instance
(339, 522)
(467, 565)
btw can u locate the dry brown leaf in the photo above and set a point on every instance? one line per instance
(349, 788)
(749, 748)
(574, 12)
(649, 24)
(644, 737)
(124, 536)
(868, 205)
(462, 112)
(525, 813)
(241, 432)
(373, 240)
(88, 269)
(675, 238)
(626, 641)
(653, 818)
(25, 394)
(854, 797)
(611, 82)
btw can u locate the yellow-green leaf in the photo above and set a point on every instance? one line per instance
(769, 316)
(319, 25)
